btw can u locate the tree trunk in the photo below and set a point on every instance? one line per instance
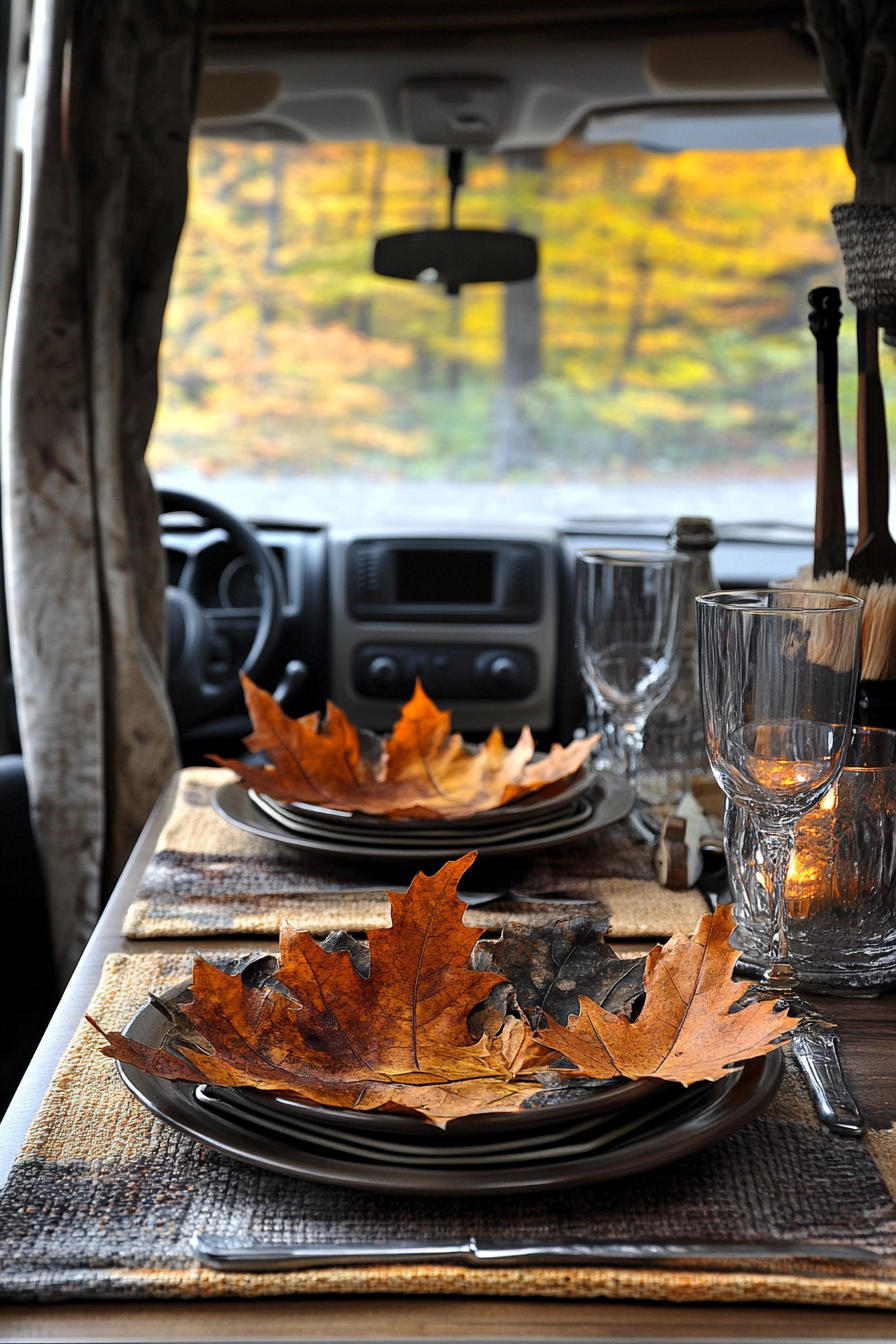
(515, 437)
(274, 216)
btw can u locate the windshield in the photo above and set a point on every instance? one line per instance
(660, 363)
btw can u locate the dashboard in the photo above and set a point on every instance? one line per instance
(484, 618)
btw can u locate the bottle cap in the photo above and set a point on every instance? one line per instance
(693, 534)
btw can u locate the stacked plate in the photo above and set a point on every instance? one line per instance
(582, 1135)
(586, 802)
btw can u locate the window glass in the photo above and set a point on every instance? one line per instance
(661, 362)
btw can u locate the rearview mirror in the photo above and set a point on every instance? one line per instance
(455, 257)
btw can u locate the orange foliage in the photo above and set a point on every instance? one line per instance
(423, 769)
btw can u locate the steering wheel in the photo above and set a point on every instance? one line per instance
(196, 696)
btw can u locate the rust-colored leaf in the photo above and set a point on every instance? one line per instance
(422, 769)
(685, 1031)
(395, 1039)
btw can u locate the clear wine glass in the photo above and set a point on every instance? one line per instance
(628, 632)
(778, 676)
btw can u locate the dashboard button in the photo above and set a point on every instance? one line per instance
(384, 672)
(447, 671)
(503, 673)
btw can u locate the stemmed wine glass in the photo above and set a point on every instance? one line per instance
(778, 676)
(628, 633)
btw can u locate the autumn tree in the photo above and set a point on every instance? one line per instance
(666, 329)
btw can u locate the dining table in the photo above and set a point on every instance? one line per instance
(868, 1052)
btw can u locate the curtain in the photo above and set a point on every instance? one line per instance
(111, 89)
(856, 40)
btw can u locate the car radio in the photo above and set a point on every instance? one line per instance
(414, 580)
(474, 617)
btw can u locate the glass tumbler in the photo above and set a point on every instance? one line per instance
(840, 888)
(778, 676)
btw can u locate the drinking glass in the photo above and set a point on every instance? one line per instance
(841, 880)
(778, 674)
(628, 631)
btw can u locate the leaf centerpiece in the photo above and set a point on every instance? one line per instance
(399, 1038)
(421, 769)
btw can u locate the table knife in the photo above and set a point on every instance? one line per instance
(232, 1254)
(814, 1046)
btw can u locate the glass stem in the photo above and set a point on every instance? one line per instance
(630, 739)
(777, 848)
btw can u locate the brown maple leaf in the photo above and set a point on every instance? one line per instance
(397, 1039)
(685, 1031)
(422, 769)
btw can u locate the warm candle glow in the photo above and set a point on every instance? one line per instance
(804, 870)
(840, 881)
(808, 873)
(779, 776)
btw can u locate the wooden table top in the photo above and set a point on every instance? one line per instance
(868, 1030)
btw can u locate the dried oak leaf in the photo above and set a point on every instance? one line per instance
(422, 769)
(396, 1038)
(551, 966)
(685, 1031)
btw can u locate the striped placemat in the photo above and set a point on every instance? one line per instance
(208, 878)
(103, 1199)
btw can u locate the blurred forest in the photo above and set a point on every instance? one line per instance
(666, 330)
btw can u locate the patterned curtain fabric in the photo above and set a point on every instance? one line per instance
(111, 88)
(856, 41)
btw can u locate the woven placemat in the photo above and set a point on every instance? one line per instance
(103, 1198)
(209, 878)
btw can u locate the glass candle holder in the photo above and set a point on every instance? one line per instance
(841, 880)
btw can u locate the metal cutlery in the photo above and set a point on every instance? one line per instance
(474, 898)
(814, 1046)
(228, 1253)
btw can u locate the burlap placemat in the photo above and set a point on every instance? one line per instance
(209, 878)
(103, 1198)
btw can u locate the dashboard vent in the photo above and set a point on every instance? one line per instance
(522, 589)
(368, 571)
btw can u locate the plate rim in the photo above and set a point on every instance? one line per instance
(585, 777)
(385, 1122)
(738, 1100)
(579, 810)
(616, 803)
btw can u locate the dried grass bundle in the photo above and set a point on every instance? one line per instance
(878, 618)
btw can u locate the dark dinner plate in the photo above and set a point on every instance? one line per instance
(542, 802)
(596, 1101)
(696, 1118)
(462, 838)
(611, 802)
(445, 1151)
(593, 1100)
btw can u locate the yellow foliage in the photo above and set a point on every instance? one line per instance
(663, 279)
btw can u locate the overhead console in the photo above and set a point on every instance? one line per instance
(473, 617)
(511, 96)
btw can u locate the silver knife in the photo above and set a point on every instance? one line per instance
(815, 1050)
(229, 1253)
